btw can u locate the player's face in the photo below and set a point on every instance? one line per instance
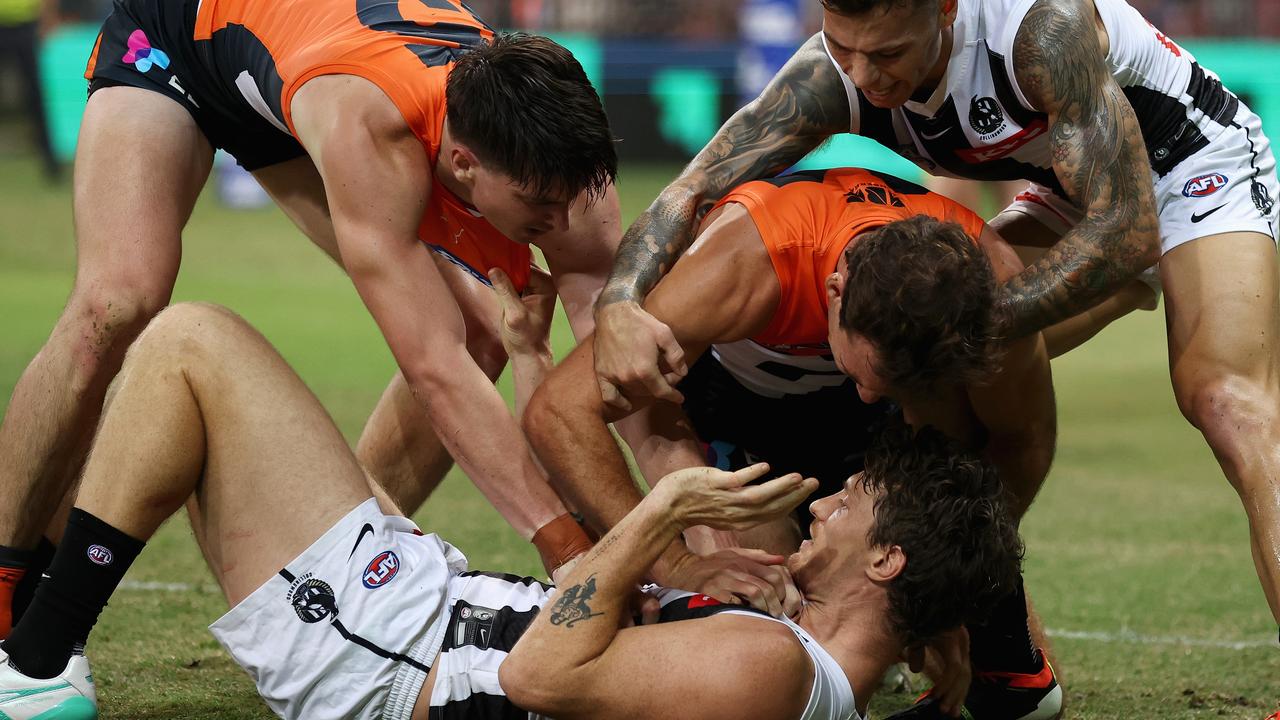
(855, 356)
(517, 211)
(839, 530)
(889, 53)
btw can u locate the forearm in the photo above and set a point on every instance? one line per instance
(1023, 460)
(580, 454)
(593, 602)
(1090, 264)
(528, 370)
(480, 434)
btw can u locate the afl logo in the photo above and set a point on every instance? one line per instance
(985, 115)
(1205, 185)
(100, 555)
(381, 570)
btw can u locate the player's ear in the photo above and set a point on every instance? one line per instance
(465, 164)
(947, 10)
(835, 287)
(886, 563)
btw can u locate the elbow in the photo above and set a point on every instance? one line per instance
(528, 684)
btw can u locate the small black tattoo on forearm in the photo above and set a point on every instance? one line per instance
(572, 608)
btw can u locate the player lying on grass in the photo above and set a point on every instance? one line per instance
(341, 610)
(417, 149)
(806, 300)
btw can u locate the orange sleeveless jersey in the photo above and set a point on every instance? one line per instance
(405, 48)
(806, 220)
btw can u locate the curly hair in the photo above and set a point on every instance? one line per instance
(523, 104)
(946, 509)
(923, 293)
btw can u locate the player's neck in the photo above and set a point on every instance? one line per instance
(939, 69)
(855, 632)
(444, 171)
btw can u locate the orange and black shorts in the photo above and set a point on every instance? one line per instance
(149, 44)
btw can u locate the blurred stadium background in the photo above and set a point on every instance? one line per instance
(1137, 549)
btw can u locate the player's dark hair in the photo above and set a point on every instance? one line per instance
(523, 104)
(860, 7)
(923, 293)
(946, 509)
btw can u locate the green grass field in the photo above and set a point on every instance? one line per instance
(1137, 558)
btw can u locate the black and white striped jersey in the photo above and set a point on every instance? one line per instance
(978, 124)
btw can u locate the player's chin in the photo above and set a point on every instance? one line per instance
(892, 98)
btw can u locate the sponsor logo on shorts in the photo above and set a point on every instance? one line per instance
(142, 55)
(1262, 198)
(1204, 185)
(381, 570)
(701, 601)
(312, 599)
(99, 555)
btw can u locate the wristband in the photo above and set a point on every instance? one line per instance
(560, 541)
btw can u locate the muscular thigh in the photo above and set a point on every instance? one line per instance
(278, 473)
(1222, 308)
(140, 164)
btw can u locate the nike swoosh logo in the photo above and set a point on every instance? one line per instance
(937, 135)
(1195, 218)
(366, 530)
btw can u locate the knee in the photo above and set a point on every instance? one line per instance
(187, 330)
(105, 316)
(1230, 410)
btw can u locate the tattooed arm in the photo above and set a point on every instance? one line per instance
(575, 660)
(804, 105)
(1100, 159)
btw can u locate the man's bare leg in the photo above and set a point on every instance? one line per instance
(1223, 311)
(128, 245)
(204, 406)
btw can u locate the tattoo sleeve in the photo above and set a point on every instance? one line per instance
(1099, 157)
(803, 106)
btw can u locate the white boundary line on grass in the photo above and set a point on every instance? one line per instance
(1124, 637)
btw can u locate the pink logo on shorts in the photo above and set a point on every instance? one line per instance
(100, 555)
(381, 569)
(142, 55)
(1205, 185)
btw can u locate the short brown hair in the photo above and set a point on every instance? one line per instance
(923, 293)
(523, 104)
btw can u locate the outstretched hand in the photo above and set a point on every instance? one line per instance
(724, 501)
(636, 355)
(526, 317)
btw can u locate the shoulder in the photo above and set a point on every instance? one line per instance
(1056, 51)
(767, 663)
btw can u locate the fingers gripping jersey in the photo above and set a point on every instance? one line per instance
(807, 219)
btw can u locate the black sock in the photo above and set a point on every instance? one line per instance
(26, 589)
(86, 569)
(1003, 643)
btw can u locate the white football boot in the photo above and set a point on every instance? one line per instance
(69, 696)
